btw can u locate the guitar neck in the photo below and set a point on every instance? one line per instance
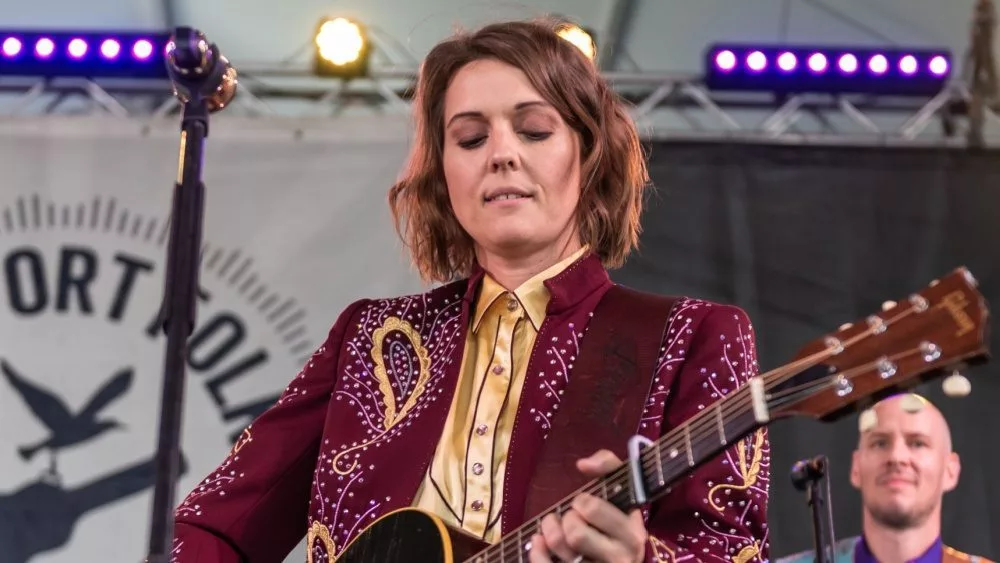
(663, 463)
(678, 452)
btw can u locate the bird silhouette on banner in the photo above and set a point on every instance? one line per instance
(66, 428)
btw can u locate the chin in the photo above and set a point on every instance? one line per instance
(512, 240)
(896, 515)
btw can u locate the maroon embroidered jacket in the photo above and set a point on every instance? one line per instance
(353, 434)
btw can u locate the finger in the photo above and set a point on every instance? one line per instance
(539, 551)
(628, 530)
(600, 463)
(555, 538)
(638, 526)
(584, 540)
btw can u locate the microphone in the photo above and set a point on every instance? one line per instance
(198, 71)
(807, 470)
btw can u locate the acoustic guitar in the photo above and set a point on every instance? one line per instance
(930, 334)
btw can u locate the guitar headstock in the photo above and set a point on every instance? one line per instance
(927, 335)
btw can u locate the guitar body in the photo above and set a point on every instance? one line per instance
(411, 536)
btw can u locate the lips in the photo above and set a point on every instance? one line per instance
(505, 194)
(895, 481)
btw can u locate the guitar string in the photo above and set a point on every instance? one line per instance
(699, 425)
(510, 550)
(703, 431)
(698, 422)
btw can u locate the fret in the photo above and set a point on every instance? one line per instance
(660, 479)
(704, 432)
(720, 423)
(687, 446)
(620, 495)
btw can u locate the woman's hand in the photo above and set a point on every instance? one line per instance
(593, 529)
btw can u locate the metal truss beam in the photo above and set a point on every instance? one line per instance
(666, 106)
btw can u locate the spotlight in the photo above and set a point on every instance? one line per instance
(757, 61)
(77, 48)
(581, 37)
(777, 68)
(342, 48)
(787, 61)
(817, 63)
(44, 47)
(725, 61)
(12, 47)
(878, 64)
(848, 63)
(110, 48)
(939, 66)
(84, 53)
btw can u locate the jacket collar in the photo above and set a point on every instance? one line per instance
(566, 289)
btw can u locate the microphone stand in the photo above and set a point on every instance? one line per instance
(204, 82)
(811, 476)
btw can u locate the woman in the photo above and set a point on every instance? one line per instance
(525, 183)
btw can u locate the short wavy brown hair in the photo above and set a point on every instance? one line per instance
(613, 165)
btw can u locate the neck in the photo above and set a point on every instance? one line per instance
(898, 546)
(511, 269)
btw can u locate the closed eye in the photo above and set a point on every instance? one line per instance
(475, 142)
(537, 135)
(471, 143)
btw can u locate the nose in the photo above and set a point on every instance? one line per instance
(504, 155)
(899, 453)
(502, 162)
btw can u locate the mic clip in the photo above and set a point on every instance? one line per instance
(808, 471)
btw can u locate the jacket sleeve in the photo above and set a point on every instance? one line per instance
(253, 507)
(718, 512)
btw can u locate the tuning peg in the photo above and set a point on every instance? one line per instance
(845, 326)
(956, 385)
(969, 277)
(888, 305)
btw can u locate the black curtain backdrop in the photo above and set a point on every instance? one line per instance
(808, 238)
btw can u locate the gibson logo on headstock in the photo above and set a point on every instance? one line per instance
(955, 303)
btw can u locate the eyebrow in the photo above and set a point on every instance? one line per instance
(871, 435)
(477, 114)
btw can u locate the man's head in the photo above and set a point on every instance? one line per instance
(904, 463)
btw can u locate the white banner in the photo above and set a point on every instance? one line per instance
(296, 227)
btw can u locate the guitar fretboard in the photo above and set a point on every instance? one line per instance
(665, 461)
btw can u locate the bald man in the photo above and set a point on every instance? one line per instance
(903, 466)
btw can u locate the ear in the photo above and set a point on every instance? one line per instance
(855, 472)
(952, 471)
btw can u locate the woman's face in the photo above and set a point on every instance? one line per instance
(511, 163)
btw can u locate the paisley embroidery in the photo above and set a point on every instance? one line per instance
(410, 388)
(390, 414)
(319, 532)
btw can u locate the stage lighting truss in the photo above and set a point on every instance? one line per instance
(666, 106)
